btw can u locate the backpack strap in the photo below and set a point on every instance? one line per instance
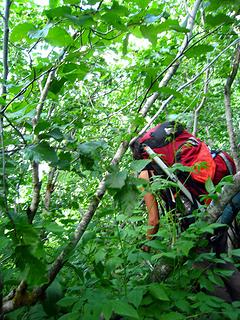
(227, 162)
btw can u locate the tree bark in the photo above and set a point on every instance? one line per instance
(228, 109)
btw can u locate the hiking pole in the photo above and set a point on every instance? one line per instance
(165, 169)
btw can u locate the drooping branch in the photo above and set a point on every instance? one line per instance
(172, 70)
(228, 109)
(201, 104)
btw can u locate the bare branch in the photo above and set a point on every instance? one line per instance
(228, 109)
(201, 104)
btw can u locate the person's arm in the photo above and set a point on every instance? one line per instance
(152, 208)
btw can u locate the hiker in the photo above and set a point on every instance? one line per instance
(174, 144)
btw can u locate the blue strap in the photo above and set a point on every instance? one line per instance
(231, 210)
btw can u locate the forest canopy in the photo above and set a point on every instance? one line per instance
(79, 80)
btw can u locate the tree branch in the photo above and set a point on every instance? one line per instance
(201, 104)
(52, 177)
(228, 109)
(172, 70)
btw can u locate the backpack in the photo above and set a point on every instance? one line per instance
(174, 144)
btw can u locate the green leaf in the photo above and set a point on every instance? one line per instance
(124, 309)
(57, 12)
(70, 316)
(83, 20)
(116, 180)
(56, 134)
(235, 252)
(54, 228)
(73, 71)
(67, 301)
(185, 246)
(107, 310)
(58, 37)
(21, 31)
(199, 50)
(209, 186)
(135, 296)
(158, 292)
(215, 20)
(139, 165)
(53, 3)
(56, 85)
(42, 152)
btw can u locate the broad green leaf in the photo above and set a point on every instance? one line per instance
(215, 20)
(124, 309)
(54, 228)
(70, 316)
(107, 309)
(185, 246)
(199, 50)
(73, 71)
(56, 85)
(53, 3)
(56, 134)
(67, 301)
(150, 33)
(21, 31)
(119, 9)
(209, 186)
(135, 296)
(42, 152)
(139, 165)
(158, 292)
(83, 20)
(235, 252)
(41, 126)
(58, 12)
(64, 160)
(116, 180)
(58, 37)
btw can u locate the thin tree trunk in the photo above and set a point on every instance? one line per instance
(3, 95)
(228, 109)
